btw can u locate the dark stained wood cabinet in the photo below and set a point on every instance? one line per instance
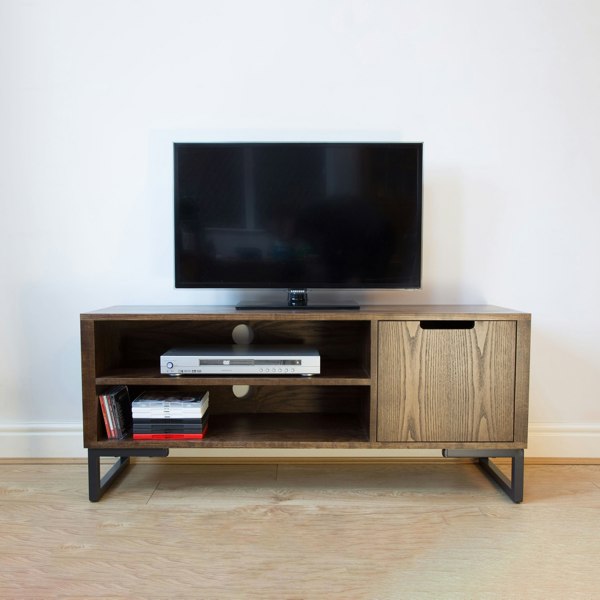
(449, 377)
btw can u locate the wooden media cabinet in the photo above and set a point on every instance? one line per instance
(453, 378)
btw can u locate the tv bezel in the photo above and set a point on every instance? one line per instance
(418, 146)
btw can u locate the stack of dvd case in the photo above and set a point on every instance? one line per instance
(165, 415)
(115, 406)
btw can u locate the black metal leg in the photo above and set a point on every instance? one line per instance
(98, 485)
(513, 487)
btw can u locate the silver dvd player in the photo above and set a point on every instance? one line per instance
(241, 360)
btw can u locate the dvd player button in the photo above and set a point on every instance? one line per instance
(169, 365)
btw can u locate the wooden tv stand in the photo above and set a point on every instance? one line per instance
(454, 378)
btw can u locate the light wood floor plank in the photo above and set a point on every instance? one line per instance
(299, 531)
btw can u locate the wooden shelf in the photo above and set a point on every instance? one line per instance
(332, 374)
(271, 430)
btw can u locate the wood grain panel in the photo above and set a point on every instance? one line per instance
(229, 313)
(446, 384)
(297, 399)
(134, 343)
(522, 381)
(92, 426)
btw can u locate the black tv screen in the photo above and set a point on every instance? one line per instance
(298, 215)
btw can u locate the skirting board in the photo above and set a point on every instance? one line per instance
(65, 440)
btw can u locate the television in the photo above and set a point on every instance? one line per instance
(298, 216)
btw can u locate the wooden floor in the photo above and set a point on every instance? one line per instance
(292, 531)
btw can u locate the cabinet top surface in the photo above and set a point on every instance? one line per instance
(400, 311)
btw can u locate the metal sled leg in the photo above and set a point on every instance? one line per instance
(513, 487)
(98, 485)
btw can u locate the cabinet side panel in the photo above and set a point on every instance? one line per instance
(522, 381)
(497, 381)
(88, 384)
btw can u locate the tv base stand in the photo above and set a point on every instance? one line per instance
(297, 300)
(453, 378)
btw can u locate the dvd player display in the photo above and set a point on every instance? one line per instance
(241, 359)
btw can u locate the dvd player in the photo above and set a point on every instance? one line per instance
(241, 359)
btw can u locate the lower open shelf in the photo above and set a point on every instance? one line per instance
(266, 430)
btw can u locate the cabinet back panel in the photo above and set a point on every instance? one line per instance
(132, 343)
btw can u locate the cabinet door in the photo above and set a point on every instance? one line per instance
(446, 384)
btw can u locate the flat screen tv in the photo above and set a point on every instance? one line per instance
(298, 216)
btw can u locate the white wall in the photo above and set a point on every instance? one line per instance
(505, 97)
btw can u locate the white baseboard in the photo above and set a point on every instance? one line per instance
(41, 440)
(65, 440)
(564, 440)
